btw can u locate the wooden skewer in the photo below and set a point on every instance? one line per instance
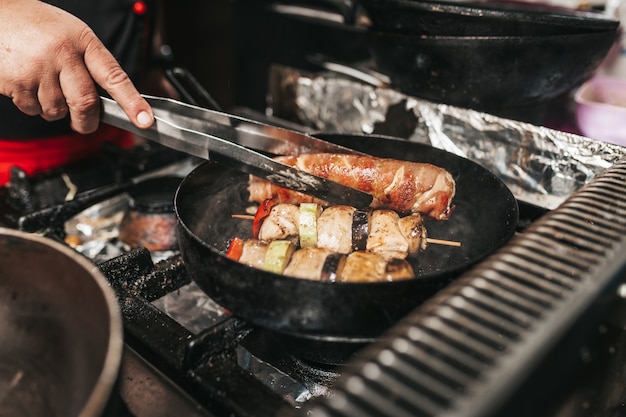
(443, 242)
(242, 216)
(429, 239)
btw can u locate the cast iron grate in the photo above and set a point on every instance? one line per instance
(467, 350)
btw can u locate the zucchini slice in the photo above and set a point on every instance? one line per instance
(309, 212)
(278, 255)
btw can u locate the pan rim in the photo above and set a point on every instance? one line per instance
(508, 11)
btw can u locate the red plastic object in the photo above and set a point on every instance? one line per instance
(38, 155)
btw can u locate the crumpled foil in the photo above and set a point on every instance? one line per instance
(541, 166)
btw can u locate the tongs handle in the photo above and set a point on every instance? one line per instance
(185, 133)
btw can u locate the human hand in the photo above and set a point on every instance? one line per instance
(49, 60)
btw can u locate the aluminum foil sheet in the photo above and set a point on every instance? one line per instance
(541, 166)
(94, 233)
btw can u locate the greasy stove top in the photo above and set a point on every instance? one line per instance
(185, 355)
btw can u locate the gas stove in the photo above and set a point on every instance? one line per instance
(186, 355)
(536, 330)
(183, 351)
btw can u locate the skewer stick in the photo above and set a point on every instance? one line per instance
(443, 242)
(242, 216)
(429, 239)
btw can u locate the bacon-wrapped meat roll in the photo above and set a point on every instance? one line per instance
(402, 186)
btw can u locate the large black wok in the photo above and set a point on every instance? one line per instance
(484, 218)
(496, 56)
(61, 331)
(489, 73)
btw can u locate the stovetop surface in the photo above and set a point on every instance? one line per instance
(185, 355)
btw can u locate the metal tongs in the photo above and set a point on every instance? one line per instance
(230, 140)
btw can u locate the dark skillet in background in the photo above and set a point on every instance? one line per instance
(486, 56)
(489, 73)
(485, 217)
(494, 56)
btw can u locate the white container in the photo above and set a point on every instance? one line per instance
(601, 109)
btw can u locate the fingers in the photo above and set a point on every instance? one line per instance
(27, 102)
(109, 75)
(82, 99)
(55, 94)
(42, 96)
(78, 93)
(58, 78)
(51, 99)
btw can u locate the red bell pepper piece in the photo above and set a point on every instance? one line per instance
(262, 212)
(235, 249)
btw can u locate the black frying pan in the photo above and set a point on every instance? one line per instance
(485, 217)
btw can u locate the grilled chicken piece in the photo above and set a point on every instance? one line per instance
(307, 263)
(362, 266)
(281, 223)
(385, 238)
(334, 229)
(414, 231)
(253, 253)
(398, 269)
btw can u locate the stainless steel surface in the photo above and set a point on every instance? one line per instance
(149, 393)
(61, 338)
(224, 138)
